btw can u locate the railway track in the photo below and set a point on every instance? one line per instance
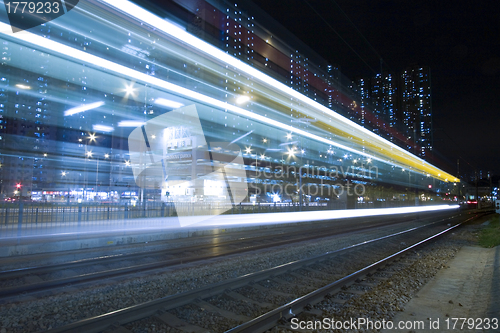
(50, 277)
(251, 303)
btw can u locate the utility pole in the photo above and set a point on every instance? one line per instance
(490, 176)
(458, 177)
(415, 153)
(477, 191)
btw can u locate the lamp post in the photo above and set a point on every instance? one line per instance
(302, 152)
(88, 154)
(106, 156)
(63, 175)
(97, 175)
(18, 191)
(291, 153)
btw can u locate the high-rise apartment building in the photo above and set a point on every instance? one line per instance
(398, 108)
(416, 107)
(379, 109)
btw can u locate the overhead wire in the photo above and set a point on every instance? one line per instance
(361, 34)
(379, 57)
(457, 146)
(338, 35)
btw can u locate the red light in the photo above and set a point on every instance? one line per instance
(18, 185)
(430, 186)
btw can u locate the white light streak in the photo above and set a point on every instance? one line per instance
(168, 103)
(130, 123)
(107, 65)
(183, 36)
(276, 218)
(145, 16)
(102, 128)
(241, 137)
(83, 108)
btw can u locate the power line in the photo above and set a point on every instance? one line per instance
(361, 34)
(457, 147)
(342, 39)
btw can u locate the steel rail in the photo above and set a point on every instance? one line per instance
(147, 309)
(291, 309)
(81, 278)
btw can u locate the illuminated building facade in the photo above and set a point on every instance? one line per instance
(416, 106)
(399, 108)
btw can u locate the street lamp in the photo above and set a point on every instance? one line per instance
(63, 175)
(88, 154)
(129, 90)
(248, 151)
(18, 191)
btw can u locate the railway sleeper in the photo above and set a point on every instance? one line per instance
(179, 324)
(239, 297)
(227, 314)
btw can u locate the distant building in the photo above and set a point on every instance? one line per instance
(399, 108)
(26, 115)
(416, 107)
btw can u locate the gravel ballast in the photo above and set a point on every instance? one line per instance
(95, 299)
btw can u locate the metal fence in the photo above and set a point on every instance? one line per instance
(25, 218)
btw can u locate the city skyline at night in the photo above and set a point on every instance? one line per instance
(84, 154)
(457, 40)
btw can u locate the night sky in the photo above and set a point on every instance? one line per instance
(459, 40)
